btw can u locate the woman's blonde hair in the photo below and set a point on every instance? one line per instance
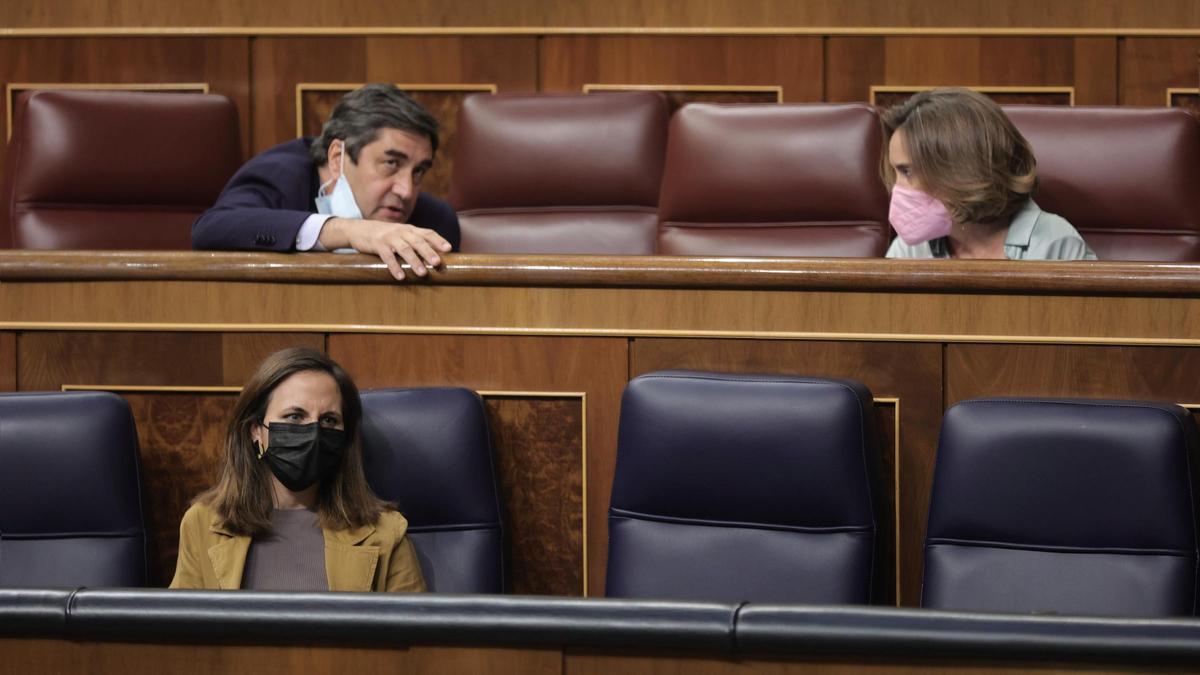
(965, 151)
(242, 496)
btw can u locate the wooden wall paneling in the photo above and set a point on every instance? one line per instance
(911, 372)
(567, 63)
(221, 62)
(279, 64)
(630, 13)
(164, 377)
(1155, 373)
(1096, 71)
(8, 361)
(595, 367)
(1044, 70)
(852, 66)
(539, 442)
(60, 656)
(1150, 66)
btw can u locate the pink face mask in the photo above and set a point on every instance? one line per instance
(917, 216)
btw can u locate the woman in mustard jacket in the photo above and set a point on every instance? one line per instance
(292, 509)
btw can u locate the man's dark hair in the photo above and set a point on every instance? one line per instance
(359, 116)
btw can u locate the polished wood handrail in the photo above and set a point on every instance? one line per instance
(850, 274)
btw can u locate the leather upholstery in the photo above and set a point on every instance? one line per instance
(704, 630)
(115, 170)
(1067, 506)
(70, 493)
(1126, 178)
(559, 173)
(744, 488)
(778, 180)
(402, 618)
(429, 451)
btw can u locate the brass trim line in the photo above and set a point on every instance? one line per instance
(700, 88)
(13, 87)
(1174, 91)
(139, 389)
(302, 87)
(912, 89)
(595, 332)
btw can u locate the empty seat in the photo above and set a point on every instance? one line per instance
(429, 451)
(115, 170)
(738, 488)
(773, 180)
(1127, 178)
(70, 493)
(1066, 506)
(559, 173)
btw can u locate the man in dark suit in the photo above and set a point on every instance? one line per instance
(356, 187)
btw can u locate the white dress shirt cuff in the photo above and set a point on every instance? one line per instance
(309, 236)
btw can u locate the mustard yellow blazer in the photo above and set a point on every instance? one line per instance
(370, 558)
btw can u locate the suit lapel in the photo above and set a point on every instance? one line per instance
(350, 565)
(228, 558)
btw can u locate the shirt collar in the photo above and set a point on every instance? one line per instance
(1020, 230)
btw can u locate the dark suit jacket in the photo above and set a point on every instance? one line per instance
(268, 199)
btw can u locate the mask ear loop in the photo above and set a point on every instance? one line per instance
(262, 450)
(341, 172)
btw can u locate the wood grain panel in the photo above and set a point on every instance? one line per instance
(222, 62)
(509, 63)
(55, 656)
(1155, 373)
(639, 664)
(8, 361)
(629, 13)
(595, 366)
(855, 64)
(51, 359)
(1150, 66)
(1189, 100)
(794, 63)
(181, 437)
(910, 372)
(279, 64)
(539, 448)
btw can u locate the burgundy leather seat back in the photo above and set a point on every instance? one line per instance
(559, 173)
(1127, 178)
(777, 180)
(116, 170)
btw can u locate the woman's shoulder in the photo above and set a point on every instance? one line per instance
(392, 523)
(199, 514)
(1055, 238)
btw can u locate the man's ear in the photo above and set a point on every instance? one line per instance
(333, 157)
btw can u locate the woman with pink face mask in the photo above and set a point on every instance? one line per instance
(962, 179)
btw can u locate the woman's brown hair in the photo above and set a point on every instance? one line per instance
(965, 151)
(242, 496)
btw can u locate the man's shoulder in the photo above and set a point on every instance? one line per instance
(294, 151)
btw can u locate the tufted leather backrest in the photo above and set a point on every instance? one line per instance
(1127, 178)
(774, 180)
(745, 488)
(1067, 506)
(70, 492)
(429, 451)
(559, 173)
(115, 170)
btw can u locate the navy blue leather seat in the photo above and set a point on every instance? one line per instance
(745, 488)
(70, 493)
(429, 451)
(1067, 506)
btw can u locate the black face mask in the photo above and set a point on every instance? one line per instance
(302, 454)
